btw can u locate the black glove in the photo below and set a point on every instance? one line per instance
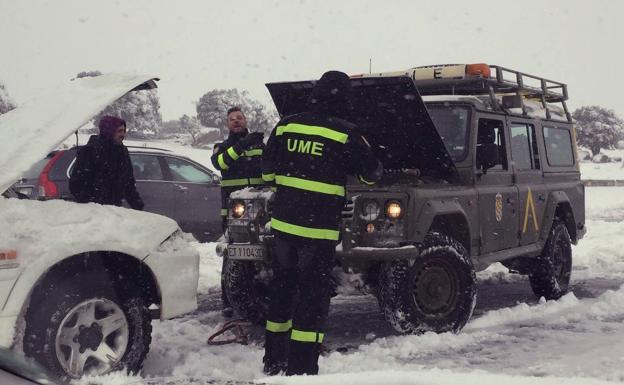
(251, 140)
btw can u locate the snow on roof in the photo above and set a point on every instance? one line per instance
(534, 107)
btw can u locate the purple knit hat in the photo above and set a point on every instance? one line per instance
(109, 124)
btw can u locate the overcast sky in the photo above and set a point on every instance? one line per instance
(196, 46)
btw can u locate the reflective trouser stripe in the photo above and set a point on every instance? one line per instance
(361, 178)
(279, 327)
(254, 152)
(303, 336)
(232, 153)
(241, 182)
(268, 177)
(325, 132)
(310, 185)
(224, 212)
(306, 232)
(221, 162)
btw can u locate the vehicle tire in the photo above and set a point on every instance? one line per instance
(435, 292)
(550, 272)
(85, 325)
(246, 287)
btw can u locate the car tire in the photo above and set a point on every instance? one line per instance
(434, 292)
(246, 287)
(550, 272)
(72, 315)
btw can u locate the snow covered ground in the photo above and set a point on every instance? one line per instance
(513, 337)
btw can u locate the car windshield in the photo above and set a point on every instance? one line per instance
(452, 125)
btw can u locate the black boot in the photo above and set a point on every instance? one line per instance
(303, 358)
(275, 352)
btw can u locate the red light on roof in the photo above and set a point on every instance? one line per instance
(478, 69)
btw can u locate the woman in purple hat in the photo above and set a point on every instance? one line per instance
(103, 172)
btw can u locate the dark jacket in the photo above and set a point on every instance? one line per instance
(103, 174)
(309, 156)
(240, 165)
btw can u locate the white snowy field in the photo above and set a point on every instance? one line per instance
(513, 337)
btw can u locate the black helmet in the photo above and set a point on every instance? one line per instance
(331, 95)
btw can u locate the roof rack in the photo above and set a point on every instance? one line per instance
(484, 79)
(149, 148)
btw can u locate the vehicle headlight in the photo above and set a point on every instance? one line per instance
(393, 210)
(370, 210)
(238, 209)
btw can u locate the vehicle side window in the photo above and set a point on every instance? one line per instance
(558, 143)
(524, 147)
(183, 171)
(146, 167)
(492, 131)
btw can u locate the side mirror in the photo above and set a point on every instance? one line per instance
(216, 179)
(487, 156)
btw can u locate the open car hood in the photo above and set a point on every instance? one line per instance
(392, 116)
(37, 127)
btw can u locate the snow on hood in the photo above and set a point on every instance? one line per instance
(38, 126)
(58, 228)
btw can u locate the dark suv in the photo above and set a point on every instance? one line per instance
(170, 185)
(480, 166)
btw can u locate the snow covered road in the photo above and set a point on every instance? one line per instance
(513, 337)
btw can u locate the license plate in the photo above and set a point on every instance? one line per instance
(254, 252)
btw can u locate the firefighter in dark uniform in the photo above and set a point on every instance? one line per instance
(238, 159)
(308, 158)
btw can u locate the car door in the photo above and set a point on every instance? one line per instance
(156, 192)
(529, 180)
(197, 196)
(497, 194)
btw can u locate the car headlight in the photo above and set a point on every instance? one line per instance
(370, 210)
(393, 210)
(238, 209)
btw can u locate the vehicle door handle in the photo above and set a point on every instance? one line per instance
(511, 201)
(541, 197)
(181, 188)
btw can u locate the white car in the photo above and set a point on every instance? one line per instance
(80, 283)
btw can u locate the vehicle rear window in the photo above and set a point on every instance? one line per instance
(558, 143)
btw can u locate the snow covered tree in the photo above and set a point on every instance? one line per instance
(140, 110)
(597, 128)
(191, 126)
(212, 108)
(6, 104)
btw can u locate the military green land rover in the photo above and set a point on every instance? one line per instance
(480, 166)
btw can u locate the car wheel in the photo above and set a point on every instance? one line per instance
(83, 326)
(246, 286)
(434, 292)
(550, 272)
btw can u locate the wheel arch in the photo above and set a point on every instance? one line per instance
(124, 269)
(559, 208)
(444, 216)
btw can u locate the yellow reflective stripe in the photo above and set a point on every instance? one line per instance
(310, 185)
(325, 132)
(302, 336)
(306, 232)
(234, 182)
(222, 163)
(254, 152)
(241, 182)
(224, 212)
(278, 327)
(365, 181)
(268, 177)
(232, 153)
